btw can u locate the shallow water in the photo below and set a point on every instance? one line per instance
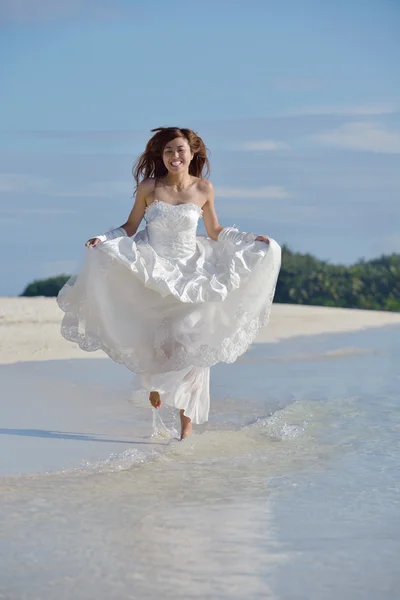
(291, 491)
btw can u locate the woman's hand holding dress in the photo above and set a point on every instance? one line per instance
(109, 235)
(93, 242)
(262, 238)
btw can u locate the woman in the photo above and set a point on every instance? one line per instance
(169, 303)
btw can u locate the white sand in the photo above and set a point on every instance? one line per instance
(30, 327)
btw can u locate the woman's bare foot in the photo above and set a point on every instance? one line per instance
(155, 399)
(186, 425)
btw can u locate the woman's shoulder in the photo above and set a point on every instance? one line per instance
(147, 184)
(203, 185)
(204, 188)
(145, 190)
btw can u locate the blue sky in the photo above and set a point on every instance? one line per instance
(298, 102)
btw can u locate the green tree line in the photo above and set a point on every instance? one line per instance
(304, 279)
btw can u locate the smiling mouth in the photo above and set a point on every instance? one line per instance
(176, 163)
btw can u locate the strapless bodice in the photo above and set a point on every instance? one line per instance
(171, 228)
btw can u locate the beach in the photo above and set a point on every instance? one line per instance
(30, 327)
(290, 491)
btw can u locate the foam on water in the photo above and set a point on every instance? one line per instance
(292, 494)
(280, 440)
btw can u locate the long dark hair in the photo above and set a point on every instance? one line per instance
(150, 162)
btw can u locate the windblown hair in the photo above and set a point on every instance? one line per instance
(150, 163)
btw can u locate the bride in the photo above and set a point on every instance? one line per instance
(169, 303)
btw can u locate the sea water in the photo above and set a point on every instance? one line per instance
(291, 491)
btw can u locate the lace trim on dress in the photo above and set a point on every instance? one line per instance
(204, 356)
(161, 202)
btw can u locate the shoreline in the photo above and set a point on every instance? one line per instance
(30, 327)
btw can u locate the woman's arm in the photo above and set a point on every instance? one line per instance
(130, 227)
(137, 212)
(210, 218)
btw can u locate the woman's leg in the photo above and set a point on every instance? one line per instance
(186, 425)
(187, 390)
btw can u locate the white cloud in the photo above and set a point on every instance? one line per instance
(262, 146)
(98, 189)
(264, 192)
(366, 136)
(14, 214)
(20, 183)
(362, 111)
(16, 183)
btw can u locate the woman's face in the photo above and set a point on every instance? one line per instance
(177, 155)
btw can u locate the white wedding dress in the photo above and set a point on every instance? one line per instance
(169, 303)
